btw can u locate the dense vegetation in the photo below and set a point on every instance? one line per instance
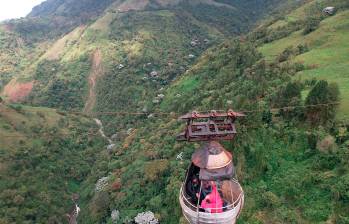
(45, 156)
(54, 18)
(7, 55)
(67, 87)
(291, 153)
(154, 48)
(272, 152)
(12, 51)
(319, 61)
(134, 39)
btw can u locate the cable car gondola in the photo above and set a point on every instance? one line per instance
(210, 194)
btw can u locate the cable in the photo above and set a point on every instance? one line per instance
(174, 113)
(95, 134)
(346, 119)
(46, 135)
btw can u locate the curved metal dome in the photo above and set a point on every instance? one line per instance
(212, 156)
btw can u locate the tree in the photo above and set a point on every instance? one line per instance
(100, 204)
(290, 96)
(302, 48)
(321, 102)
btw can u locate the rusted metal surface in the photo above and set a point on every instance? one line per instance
(212, 156)
(209, 126)
(212, 114)
(224, 173)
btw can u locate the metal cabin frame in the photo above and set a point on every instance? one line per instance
(210, 127)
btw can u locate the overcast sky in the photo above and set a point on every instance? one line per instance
(10, 9)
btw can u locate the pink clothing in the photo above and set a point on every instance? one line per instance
(213, 202)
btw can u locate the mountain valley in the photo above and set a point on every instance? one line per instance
(136, 66)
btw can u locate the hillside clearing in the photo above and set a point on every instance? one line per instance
(96, 72)
(15, 91)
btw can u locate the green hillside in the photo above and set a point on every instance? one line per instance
(327, 57)
(123, 56)
(137, 66)
(45, 156)
(272, 153)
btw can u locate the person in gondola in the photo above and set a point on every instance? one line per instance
(206, 190)
(213, 202)
(193, 189)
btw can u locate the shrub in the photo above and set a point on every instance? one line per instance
(285, 55)
(327, 144)
(6, 127)
(312, 140)
(310, 82)
(155, 168)
(100, 204)
(302, 48)
(270, 199)
(17, 108)
(341, 189)
(342, 219)
(116, 186)
(311, 24)
(299, 66)
(289, 96)
(40, 114)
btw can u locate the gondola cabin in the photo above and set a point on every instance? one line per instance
(210, 194)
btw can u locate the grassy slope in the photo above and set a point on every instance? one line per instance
(328, 57)
(44, 158)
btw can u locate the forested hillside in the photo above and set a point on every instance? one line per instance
(274, 149)
(45, 156)
(155, 40)
(137, 66)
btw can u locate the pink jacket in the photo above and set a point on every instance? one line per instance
(213, 202)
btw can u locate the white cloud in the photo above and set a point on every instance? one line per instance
(10, 9)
